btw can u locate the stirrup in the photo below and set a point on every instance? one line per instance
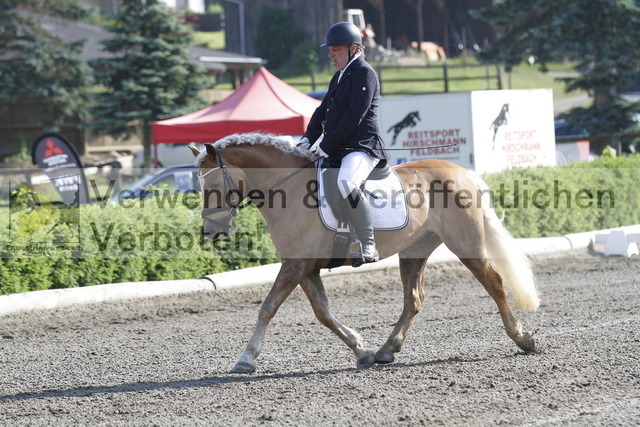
(359, 258)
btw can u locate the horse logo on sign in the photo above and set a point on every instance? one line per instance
(410, 120)
(499, 121)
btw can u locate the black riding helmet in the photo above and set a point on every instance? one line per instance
(342, 33)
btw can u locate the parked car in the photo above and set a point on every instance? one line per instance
(179, 178)
(565, 129)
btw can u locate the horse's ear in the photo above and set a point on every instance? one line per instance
(194, 150)
(210, 150)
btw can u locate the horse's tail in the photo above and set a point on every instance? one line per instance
(506, 258)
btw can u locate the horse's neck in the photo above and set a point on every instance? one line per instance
(262, 157)
(265, 167)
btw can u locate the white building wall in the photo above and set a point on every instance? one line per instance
(196, 6)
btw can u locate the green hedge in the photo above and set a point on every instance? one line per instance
(549, 201)
(110, 243)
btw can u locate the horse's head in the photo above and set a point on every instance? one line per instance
(221, 195)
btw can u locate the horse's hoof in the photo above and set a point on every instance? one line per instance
(384, 357)
(527, 342)
(243, 368)
(366, 361)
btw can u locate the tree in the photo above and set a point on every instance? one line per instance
(39, 66)
(150, 77)
(278, 37)
(601, 36)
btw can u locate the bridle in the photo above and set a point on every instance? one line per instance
(223, 216)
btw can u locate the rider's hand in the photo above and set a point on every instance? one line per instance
(317, 150)
(304, 143)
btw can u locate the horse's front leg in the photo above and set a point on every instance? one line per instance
(314, 289)
(290, 274)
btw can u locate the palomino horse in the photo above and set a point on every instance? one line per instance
(446, 205)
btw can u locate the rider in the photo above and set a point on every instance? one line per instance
(347, 119)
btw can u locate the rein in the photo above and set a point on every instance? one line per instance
(402, 149)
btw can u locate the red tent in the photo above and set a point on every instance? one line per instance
(262, 104)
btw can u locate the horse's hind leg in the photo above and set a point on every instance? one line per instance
(412, 263)
(314, 289)
(492, 283)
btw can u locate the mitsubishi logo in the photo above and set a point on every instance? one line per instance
(51, 149)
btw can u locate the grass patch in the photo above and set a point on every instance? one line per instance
(209, 39)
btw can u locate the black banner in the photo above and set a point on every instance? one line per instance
(59, 160)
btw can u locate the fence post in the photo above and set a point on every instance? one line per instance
(617, 143)
(379, 70)
(445, 71)
(499, 76)
(313, 78)
(487, 82)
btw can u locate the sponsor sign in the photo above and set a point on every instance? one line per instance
(484, 131)
(513, 128)
(60, 161)
(428, 126)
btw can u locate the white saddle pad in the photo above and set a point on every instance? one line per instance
(386, 200)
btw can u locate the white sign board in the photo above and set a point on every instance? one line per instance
(485, 131)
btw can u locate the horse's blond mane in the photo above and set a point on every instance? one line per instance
(274, 141)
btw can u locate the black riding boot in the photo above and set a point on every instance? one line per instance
(332, 194)
(360, 220)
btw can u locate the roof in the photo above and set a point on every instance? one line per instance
(69, 31)
(263, 104)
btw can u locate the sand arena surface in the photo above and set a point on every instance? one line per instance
(165, 361)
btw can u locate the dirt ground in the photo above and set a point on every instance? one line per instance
(165, 361)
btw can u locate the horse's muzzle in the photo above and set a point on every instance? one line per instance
(217, 223)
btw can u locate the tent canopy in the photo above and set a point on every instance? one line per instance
(263, 104)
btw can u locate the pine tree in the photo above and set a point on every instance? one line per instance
(150, 77)
(601, 36)
(39, 66)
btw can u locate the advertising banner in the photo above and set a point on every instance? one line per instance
(484, 131)
(428, 126)
(59, 160)
(513, 128)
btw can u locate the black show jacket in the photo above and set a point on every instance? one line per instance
(348, 114)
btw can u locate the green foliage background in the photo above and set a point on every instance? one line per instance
(38, 65)
(282, 43)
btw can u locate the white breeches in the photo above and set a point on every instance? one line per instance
(354, 170)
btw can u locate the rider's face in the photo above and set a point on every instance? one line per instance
(339, 56)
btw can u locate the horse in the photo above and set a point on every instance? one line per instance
(247, 167)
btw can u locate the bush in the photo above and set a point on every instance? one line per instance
(139, 241)
(548, 201)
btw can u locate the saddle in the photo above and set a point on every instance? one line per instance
(385, 195)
